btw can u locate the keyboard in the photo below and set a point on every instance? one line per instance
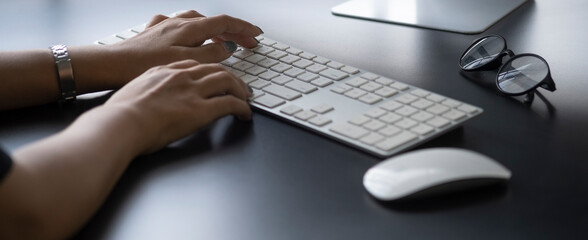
(373, 113)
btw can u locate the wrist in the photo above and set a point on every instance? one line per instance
(114, 128)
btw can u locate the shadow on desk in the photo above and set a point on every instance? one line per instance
(449, 201)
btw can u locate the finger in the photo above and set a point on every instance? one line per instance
(188, 63)
(213, 52)
(221, 83)
(201, 71)
(218, 25)
(189, 14)
(156, 19)
(247, 42)
(224, 105)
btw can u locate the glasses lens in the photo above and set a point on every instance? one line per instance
(482, 52)
(521, 74)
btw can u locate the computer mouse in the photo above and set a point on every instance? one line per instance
(432, 171)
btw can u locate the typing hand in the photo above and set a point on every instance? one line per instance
(167, 40)
(172, 101)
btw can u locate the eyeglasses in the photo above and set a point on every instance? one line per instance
(521, 74)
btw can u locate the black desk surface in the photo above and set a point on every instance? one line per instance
(270, 180)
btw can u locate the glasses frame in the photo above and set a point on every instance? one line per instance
(496, 63)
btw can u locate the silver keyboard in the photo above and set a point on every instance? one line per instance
(373, 113)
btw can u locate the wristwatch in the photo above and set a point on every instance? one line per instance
(67, 84)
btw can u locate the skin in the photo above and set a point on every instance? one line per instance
(163, 71)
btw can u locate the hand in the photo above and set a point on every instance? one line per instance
(167, 40)
(169, 102)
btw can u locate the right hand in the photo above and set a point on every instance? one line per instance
(171, 101)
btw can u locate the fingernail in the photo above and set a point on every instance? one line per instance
(259, 29)
(257, 40)
(230, 46)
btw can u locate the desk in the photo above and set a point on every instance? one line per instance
(268, 179)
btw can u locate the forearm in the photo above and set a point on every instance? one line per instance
(30, 77)
(58, 183)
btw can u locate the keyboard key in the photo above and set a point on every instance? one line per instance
(438, 109)
(468, 108)
(254, 58)
(322, 108)
(390, 118)
(280, 46)
(371, 86)
(306, 55)
(370, 76)
(301, 86)
(350, 70)
(333, 74)
(269, 101)
(281, 80)
(321, 82)
(454, 115)
(335, 65)
(268, 62)
(293, 51)
(350, 131)
(422, 129)
(422, 116)
(374, 125)
(406, 111)
(359, 120)
(356, 82)
(391, 105)
(248, 78)
(341, 88)
(255, 70)
(451, 103)
(263, 50)
(259, 84)
(302, 63)
(438, 122)
(372, 138)
(399, 86)
(289, 59)
(268, 75)
(307, 77)
(291, 110)
(316, 68)
(281, 67)
(386, 92)
(384, 81)
(396, 141)
(406, 123)
(389, 131)
(282, 92)
(406, 98)
(422, 104)
(243, 54)
(355, 93)
(370, 98)
(293, 72)
(320, 121)
(321, 60)
(242, 65)
(277, 54)
(375, 113)
(304, 115)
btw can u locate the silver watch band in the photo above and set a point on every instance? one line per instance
(67, 84)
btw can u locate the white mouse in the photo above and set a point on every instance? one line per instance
(431, 171)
